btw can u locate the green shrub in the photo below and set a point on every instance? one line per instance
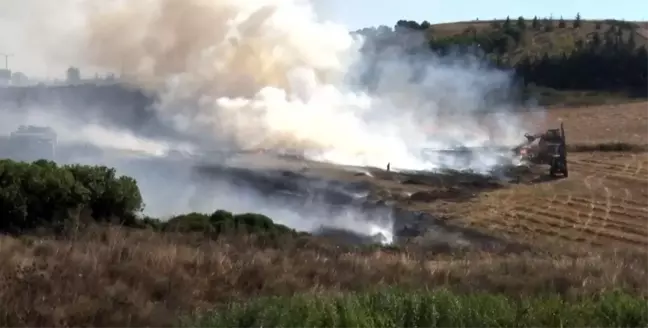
(42, 193)
(111, 196)
(191, 222)
(247, 223)
(225, 223)
(149, 223)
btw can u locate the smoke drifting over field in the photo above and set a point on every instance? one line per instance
(268, 75)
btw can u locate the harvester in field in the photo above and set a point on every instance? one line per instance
(549, 148)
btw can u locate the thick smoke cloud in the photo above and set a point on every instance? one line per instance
(269, 75)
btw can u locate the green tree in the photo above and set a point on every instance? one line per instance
(606, 62)
(548, 24)
(596, 40)
(507, 22)
(577, 21)
(111, 196)
(44, 194)
(407, 25)
(521, 23)
(632, 43)
(561, 23)
(535, 24)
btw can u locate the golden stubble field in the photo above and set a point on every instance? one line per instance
(603, 202)
(626, 123)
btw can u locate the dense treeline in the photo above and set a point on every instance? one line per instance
(44, 195)
(609, 58)
(607, 63)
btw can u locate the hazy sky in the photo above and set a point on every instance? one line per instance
(362, 13)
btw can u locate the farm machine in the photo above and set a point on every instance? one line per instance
(548, 148)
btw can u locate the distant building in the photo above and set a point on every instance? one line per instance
(73, 75)
(5, 76)
(19, 78)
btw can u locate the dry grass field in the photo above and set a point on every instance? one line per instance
(116, 277)
(626, 123)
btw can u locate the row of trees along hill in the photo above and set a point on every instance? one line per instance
(45, 196)
(607, 55)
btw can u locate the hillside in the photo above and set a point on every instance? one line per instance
(548, 36)
(556, 62)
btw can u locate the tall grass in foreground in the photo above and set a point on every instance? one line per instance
(393, 308)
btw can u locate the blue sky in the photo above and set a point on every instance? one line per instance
(363, 13)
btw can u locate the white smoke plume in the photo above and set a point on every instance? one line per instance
(267, 74)
(167, 184)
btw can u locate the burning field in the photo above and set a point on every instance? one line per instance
(230, 77)
(604, 201)
(263, 107)
(216, 78)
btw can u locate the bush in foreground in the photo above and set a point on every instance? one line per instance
(44, 194)
(430, 309)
